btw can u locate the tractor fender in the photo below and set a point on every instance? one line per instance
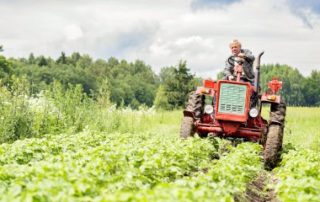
(276, 118)
(188, 114)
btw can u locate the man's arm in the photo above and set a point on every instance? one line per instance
(247, 66)
(249, 57)
(227, 70)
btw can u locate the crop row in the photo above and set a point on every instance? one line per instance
(222, 180)
(86, 165)
(120, 167)
(299, 176)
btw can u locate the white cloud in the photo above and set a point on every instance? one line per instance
(161, 32)
(73, 32)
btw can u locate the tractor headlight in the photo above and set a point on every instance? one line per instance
(254, 112)
(208, 109)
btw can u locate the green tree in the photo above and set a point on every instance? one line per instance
(291, 79)
(84, 62)
(311, 89)
(133, 84)
(161, 100)
(178, 85)
(31, 59)
(103, 97)
(220, 75)
(75, 57)
(42, 61)
(5, 69)
(62, 59)
(167, 74)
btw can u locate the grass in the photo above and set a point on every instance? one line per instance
(302, 127)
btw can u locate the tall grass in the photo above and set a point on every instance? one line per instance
(302, 127)
(70, 110)
(60, 110)
(15, 114)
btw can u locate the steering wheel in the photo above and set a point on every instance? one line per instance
(232, 59)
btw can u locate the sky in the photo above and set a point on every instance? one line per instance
(161, 33)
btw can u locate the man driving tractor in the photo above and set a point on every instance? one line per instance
(231, 107)
(245, 57)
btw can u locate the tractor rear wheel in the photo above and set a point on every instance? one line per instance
(273, 143)
(195, 105)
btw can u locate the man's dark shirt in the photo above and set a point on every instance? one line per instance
(247, 66)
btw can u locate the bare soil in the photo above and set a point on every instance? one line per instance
(257, 190)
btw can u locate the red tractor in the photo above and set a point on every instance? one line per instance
(232, 109)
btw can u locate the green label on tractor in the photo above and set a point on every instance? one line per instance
(232, 98)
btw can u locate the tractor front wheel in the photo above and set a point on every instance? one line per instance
(274, 139)
(273, 146)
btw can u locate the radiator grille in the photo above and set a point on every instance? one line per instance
(232, 98)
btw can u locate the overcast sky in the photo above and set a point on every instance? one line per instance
(163, 32)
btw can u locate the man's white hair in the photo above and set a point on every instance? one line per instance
(235, 42)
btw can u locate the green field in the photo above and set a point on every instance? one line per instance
(137, 156)
(298, 174)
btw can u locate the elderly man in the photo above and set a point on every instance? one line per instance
(247, 59)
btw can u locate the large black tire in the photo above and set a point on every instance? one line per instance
(187, 127)
(274, 140)
(195, 105)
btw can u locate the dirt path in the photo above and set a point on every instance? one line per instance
(257, 190)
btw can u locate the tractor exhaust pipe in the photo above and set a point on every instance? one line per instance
(257, 72)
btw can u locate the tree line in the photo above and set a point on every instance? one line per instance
(135, 84)
(297, 89)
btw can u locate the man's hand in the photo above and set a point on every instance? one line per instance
(241, 55)
(230, 78)
(238, 68)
